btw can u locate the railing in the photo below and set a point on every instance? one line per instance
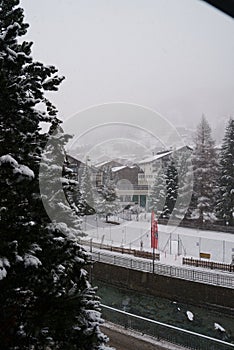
(138, 253)
(224, 279)
(208, 264)
(164, 331)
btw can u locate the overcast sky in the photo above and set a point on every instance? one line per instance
(175, 56)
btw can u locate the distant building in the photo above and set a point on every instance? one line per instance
(133, 182)
(128, 190)
(100, 169)
(152, 164)
(74, 164)
(150, 167)
(77, 167)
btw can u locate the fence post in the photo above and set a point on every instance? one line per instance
(179, 272)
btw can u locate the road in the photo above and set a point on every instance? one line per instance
(123, 339)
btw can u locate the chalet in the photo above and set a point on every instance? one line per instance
(77, 167)
(151, 164)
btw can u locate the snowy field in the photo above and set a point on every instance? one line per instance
(173, 242)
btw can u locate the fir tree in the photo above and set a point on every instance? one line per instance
(185, 185)
(158, 193)
(46, 300)
(225, 201)
(107, 201)
(86, 197)
(205, 171)
(171, 188)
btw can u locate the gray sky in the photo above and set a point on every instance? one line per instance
(175, 56)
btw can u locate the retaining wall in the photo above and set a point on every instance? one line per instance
(163, 286)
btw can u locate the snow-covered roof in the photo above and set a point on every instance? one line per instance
(102, 164)
(188, 147)
(155, 157)
(163, 154)
(69, 156)
(117, 168)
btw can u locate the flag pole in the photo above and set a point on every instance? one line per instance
(152, 235)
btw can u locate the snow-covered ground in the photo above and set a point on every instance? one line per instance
(173, 242)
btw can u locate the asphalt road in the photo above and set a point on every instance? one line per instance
(122, 339)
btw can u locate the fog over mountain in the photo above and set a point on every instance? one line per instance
(174, 56)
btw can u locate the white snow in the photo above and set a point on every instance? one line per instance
(31, 260)
(3, 273)
(157, 156)
(3, 263)
(93, 315)
(8, 159)
(190, 315)
(32, 223)
(217, 326)
(18, 258)
(63, 227)
(35, 248)
(83, 272)
(19, 169)
(173, 242)
(117, 168)
(24, 171)
(59, 239)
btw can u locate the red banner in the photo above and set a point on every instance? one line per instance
(154, 232)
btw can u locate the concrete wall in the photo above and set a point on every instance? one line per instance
(162, 286)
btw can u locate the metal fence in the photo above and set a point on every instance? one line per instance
(208, 264)
(122, 250)
(164, 331)
(223, 279)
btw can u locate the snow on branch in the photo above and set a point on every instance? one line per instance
(31, 260)
(22, 171)
(3, 264)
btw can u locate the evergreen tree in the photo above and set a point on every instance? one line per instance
(46, 300)
(225, 202)
(171, 188)
(185, 185)
(86, 193)
(158, 194)
(205, 171)
(107, 201)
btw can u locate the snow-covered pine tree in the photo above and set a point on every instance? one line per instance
(205, 171)
(46, 301)
(158, 193)
(225, 201)
(185, 184)
(71, 187)
(171, 188)
(107, 201)
(78, 313)
(86, 197)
